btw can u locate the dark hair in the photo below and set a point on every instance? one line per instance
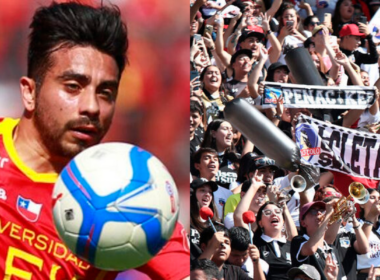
(210, 141)
(336, 20)
(239, 238)
(66, 25)
(244, 167)
(246, 185)
(259, 231)
(308, 19)
(198, 154)
(208, 233)
(194, 212)
(221, 88)
(287, 6)
(209, 268)
(195, 107)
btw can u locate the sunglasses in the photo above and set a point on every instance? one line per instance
(314, 23)
(321, 33)
(268, 212)
(315, 211)
(264, 162)
(335, 194)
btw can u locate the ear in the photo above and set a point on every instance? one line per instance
(197, 166)
(28, 93)
(303, 224)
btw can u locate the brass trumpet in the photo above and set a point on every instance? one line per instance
(297, 184)
(358, 194)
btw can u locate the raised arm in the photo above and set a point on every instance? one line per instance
(275, 50)
(246, 200)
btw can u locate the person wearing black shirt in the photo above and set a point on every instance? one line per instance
(273, 245)
(350, 35)
(216, 246)
(310, 247)
(219, 136)
(196, 139)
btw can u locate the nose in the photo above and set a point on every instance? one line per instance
(89, 104)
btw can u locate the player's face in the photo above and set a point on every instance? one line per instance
(204, 196)
(75, 104)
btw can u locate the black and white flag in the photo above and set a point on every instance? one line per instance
(321, 97)
(333, 147)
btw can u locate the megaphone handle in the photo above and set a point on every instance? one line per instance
(211, 224)
(250, 232)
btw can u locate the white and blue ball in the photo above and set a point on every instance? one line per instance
(115, 206)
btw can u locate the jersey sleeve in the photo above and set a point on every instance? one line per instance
(173, 261)
(295, 250)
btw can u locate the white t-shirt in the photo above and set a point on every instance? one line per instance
(373, 256)
(367, 118)
(220, 198)
(210, 12)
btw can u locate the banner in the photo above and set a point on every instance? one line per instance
(321, 97)
(333, 147)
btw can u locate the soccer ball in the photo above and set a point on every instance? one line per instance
(115, 205)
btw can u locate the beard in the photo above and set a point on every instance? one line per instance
(52, 133)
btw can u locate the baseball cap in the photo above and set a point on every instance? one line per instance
(307, 207)
(320, 27)
(252, 31)
(199, 182)
(240, 52)
(350, 29)
(306, 269)
(261, 162)
(272, 68)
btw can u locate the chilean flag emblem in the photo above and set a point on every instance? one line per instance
(28, 208)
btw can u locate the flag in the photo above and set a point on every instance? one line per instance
(28, 208)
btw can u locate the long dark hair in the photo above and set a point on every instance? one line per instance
(209, 141)
(287, 6)
(195, 220)
(336, 20)
(66, 25)
(221, 87)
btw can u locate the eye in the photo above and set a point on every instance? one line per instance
(72, 87)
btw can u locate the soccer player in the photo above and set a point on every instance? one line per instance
(75, 59)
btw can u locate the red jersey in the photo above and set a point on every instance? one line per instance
(30, 247)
